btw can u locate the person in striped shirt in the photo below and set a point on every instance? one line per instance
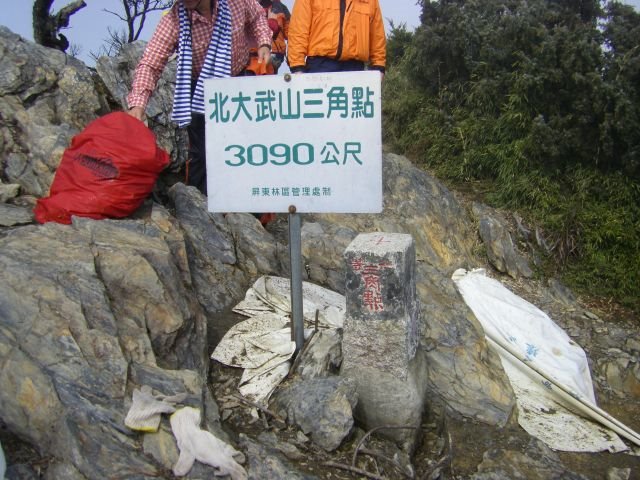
(213, 39)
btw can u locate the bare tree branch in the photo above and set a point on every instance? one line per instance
(46, 27)
(135, 14)
(75, 50)
(112, 44)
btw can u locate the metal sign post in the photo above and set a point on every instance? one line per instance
(295, 259)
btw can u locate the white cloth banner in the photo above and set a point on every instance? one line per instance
(510, 320)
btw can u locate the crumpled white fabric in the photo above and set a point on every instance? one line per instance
(146, 409)
(197, 444)
(273, 294)
(262, 344)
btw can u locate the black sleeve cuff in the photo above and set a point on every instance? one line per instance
(299, 68)
(376, 67)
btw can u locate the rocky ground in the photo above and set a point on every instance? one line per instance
(450, 447)
(444, 451)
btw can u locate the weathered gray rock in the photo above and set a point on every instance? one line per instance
(501, 251)
(537, 462)
(561, 293)
(267, 462)
(8, 191)
(321, 356)
(224, 254)
(621, 372)
(161, 445)
(323, 245)
(46, 97)
(321, 407)
(459, 369)
(289, 450)
(21, 471)
(619, 474)
(56, 471)
(11, 215)
(81, 305)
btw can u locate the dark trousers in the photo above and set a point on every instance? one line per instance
(326, 64)
(196, 173)
(197, 163)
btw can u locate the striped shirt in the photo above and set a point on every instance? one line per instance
(249, 29)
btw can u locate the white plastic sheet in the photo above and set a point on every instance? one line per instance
(513, 321)
(262, 344)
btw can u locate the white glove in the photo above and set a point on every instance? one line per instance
(146, 409)
(197, 444)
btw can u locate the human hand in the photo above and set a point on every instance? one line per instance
(137, 112)
(264, 54)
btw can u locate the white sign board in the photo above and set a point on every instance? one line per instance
(312, 141)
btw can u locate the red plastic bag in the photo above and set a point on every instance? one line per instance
(107, 171)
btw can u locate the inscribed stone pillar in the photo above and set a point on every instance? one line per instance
(381, 333)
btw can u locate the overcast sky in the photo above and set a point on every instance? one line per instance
(89, 26)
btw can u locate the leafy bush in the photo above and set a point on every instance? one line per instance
(542, 99)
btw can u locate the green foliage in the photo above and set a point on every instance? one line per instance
(542, 99)
(399, 40)
(608, 221)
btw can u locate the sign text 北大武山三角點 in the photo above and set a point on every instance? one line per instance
(281, 154)
(292, 104)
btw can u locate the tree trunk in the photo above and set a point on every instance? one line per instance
(46, 27)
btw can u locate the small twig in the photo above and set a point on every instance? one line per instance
(299, 355)
(379, 455)
(265, 422)
(259, 407)
(446, 450)
(373, 430)
(433, 468)
(359, 471)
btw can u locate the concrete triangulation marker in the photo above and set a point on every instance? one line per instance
(381, 333)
